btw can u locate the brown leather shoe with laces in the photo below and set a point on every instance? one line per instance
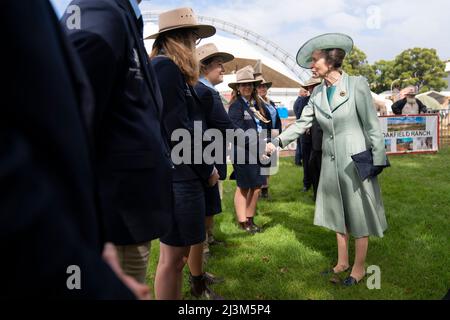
(253, 226)
(200, 289)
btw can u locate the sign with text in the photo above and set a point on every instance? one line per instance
(411, 134)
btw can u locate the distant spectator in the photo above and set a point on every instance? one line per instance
(299, 103)
(306, 139)
(409, 104)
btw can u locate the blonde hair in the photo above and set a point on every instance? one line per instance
(176, 45)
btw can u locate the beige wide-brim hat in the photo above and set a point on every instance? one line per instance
(208, 51)
(322, 42)
(311, 82)
(259, 76)
(244, 75)
(182, 18)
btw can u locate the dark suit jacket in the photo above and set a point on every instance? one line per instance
(48, 217)
(182, 108)
(316, 137)
(132, 156)
(216, 118)
(243, 118)
(397, 107)
(278, 125)
(299, 105)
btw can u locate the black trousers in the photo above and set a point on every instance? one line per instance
(298, 153)
(306, 155)
(315, 165)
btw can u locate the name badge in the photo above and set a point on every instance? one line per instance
(136, 66)
(247, 116)
(188, 91)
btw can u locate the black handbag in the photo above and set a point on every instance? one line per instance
(364, 165)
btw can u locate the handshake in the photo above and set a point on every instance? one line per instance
(270, 148)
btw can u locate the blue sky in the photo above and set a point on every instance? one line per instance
(408, 120)
(381, 28)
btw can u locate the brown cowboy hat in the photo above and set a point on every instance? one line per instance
(208, 51)
(259, 76)
(244, 75)
(182, 18)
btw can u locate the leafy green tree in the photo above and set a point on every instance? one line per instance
(384, 76)
(356, 64)
(420, 67)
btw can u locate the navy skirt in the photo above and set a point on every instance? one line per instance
(188, 227)
(248, 176)
(213, 202)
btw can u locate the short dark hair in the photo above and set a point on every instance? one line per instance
(334, 57)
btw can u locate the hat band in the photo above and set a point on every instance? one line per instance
(178, 25)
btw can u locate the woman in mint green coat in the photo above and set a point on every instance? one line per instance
(343, 108)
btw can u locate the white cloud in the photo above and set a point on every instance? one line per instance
(403, 24)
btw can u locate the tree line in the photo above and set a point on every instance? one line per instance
(420, 67)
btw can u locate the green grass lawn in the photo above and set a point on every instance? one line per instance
(284, 262)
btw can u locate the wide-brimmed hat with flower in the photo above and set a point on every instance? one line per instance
(244, 75)
(210, 50)
(182, 18)
(322, 42)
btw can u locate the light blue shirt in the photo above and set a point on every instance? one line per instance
(207, 83)
(273, 113)
(135, 6)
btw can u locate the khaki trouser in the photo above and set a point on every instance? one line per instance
(134, 260)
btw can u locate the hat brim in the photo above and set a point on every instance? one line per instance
(233, 85)
(203, 30)
(226, 57)
(310, 84)
(268, 84)
(324, 41)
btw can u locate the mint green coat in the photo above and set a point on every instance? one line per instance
(350, 125)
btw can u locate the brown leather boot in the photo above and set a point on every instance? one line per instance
(253, 226)
(247, 227)
(200, 289)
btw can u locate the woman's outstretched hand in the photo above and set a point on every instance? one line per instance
(270, 148)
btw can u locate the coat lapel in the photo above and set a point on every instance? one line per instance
(341, 95)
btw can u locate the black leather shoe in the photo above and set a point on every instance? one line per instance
(306, 189)
(200, 289)
(350, 281)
